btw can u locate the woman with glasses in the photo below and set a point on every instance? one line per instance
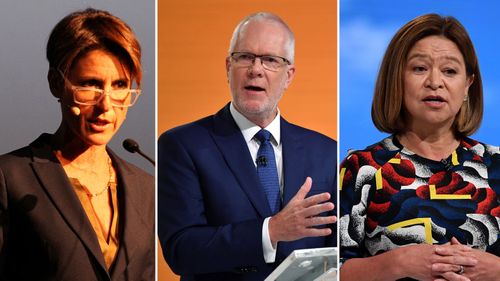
(70, 208)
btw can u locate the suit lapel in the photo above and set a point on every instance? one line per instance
(293, 174)
(231, 144)
(55, 182)
(293, 164)
(131, 220)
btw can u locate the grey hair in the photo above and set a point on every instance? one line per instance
(265, 16)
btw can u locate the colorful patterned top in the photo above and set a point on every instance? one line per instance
(391, 197)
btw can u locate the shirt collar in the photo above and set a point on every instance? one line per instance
(249, 129)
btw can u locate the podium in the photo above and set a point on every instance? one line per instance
(319, 264)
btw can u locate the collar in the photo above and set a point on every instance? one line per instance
(249, 129)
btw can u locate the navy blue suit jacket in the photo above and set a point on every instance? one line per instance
(211, 206)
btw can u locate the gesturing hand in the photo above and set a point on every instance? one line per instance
(299, 217)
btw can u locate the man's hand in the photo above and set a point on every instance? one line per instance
(299, 217)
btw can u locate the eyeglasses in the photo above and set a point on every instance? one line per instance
(269, 62)
(124, 97)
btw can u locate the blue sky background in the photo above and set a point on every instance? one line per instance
(367, 26)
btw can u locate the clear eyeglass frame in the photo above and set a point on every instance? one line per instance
(116, 97)
(269, 62)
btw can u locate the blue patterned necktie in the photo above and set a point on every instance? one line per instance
(267, 170)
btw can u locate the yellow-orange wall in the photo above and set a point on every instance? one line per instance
(193, 38)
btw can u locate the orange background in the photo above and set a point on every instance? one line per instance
(193, 38)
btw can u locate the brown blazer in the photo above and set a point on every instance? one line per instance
(45, 233)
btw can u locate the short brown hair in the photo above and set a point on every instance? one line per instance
(90, 29)
(387, 106)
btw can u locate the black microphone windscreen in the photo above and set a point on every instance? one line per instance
(131, 145)
(261, 161)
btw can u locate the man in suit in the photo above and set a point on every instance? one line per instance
(239, 190)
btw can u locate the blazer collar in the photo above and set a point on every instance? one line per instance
(133, 224)
(231, 144)
(58, 187)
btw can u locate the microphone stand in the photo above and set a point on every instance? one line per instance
(132, 146)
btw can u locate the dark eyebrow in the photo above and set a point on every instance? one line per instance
(418, 55)
(427, 57)
(453, 58)
(92, 80)
(125, 81)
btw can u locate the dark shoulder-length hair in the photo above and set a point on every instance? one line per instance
(387, 106)
(91, 29)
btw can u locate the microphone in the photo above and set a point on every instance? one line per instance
(261, 161)
(75, 110)
(132, 146)
(447, 164)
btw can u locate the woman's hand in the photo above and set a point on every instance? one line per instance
(425, 262)
(487, 267)
(452, 261)
(421, 262)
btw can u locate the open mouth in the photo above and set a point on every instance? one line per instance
(434, 99)
(99, 125)
(254, 88)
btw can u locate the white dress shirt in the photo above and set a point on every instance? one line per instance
(249, 129)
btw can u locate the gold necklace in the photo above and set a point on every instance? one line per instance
(110, 167)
